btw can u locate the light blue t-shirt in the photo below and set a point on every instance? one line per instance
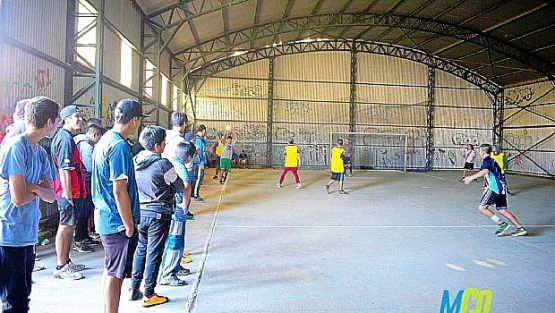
(112, 160)
(200, 143)
(183, 173)
(19, 226)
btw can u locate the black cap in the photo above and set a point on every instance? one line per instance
(129, 108)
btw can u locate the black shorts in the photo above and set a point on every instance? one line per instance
(118, 253)
(491, 198)
(468, 166)
(68, 212)
(347, 160)
(337, 176)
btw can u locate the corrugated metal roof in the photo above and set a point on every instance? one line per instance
(508, 42)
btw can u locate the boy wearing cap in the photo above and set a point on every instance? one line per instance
(157, 182)
(337, 167)
(25, 177)
(292, 158)
(116, 199)
(71, 192)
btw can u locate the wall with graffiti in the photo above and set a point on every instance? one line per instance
(31, 77)
(310, 105)
(529, 129)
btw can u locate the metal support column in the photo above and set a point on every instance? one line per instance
(69, 57)
(270, 120)
(497, 101)
(99, 60)
(430, 118)
(353, 88)
(498, 107)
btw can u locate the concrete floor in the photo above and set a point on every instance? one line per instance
(397, 243)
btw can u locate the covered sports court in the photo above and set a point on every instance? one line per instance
(410, 81)
(396, 243)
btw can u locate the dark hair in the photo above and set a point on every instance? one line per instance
(184, 150)
(486, 147)
(179, 119)
(201, 127)
(471, 146)
(95, 129)
(340, 141)
(94, 121)
(152, 135)
(41, 109)
(229, 137)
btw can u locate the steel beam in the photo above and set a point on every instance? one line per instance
(342, 45)
(270, 118)
(430, 118)
(219, 45)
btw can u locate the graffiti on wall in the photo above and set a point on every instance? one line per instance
(247, 91)
(517, 96)
(297, 108)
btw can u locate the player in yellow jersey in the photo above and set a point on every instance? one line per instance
(337, 167)
(501, 160)
(292, 162)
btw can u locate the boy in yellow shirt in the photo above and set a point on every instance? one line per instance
(337, 167)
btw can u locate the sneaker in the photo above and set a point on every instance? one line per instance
(186, 259)
(221, 181)
(327, 189)
(278, 185)
(91, 241)
(66, 273)
(37, 268)
(76, 267)
(82, 247)
(461, 180)
(186, 253)
(520, 232)
(198, 199)
(298, 185)
(5, 306)
(94, 235)
(501, 228)
(173, 281)
(183, 271)
(215, 177)
(343, 192)
(135, 295)
(190, 216)
(153, 300)
(350, 175)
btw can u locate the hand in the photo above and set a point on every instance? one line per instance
(467, 180)
(484, 190)
(32, 188)
(129, 231)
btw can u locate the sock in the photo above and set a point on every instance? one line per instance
(495, 218)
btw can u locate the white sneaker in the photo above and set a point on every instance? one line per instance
(278, 185)
(298, 185)
(66, 273)
(76, 267)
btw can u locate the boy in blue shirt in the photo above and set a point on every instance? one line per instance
(494, 192)
(25, 176)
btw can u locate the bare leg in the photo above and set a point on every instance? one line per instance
(64, 238)
(510, 217)
(112, 292)
(487, 212)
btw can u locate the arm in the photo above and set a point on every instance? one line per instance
(20, 195)
(43, 190)
(124, 205)
(298, 158)
(186, 195)
(65, 181)
(469, 179)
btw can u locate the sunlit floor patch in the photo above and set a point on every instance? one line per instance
(455, 267)
(483, 263)
(494, 261)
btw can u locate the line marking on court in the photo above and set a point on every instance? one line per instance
(193, 294)
(369, 226)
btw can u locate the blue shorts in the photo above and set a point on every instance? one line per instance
(118, 253)
(337, 176)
